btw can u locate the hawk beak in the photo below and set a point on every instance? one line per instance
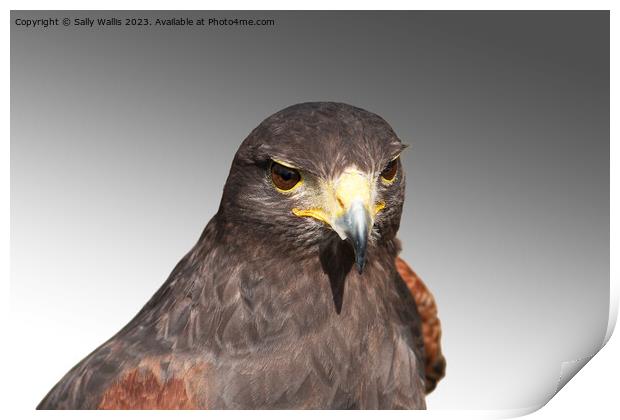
(348, 207)
(355, 226)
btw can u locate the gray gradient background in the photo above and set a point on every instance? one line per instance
(122, 139)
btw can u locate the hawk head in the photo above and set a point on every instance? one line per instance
(316, 170)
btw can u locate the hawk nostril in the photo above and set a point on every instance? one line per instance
(340, 203)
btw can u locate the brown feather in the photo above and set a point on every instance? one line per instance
(158, 384)
(435, 362)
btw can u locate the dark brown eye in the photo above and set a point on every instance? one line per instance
(390, 170)
(284, 178)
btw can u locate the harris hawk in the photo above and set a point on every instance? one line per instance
(294, 295)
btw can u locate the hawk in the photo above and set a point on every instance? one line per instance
(294, 295)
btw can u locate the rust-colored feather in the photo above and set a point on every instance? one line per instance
(142, 390)
(181, 386)
(435, 362)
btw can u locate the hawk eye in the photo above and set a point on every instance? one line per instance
(390, 170)
(284, 178)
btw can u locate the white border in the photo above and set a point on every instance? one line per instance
(589, 393)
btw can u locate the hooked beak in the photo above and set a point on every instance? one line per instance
(347, 206)
(355, 224)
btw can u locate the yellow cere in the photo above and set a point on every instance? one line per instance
(336, 197)
(318, 214)
(379, 206)
(352, 185)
